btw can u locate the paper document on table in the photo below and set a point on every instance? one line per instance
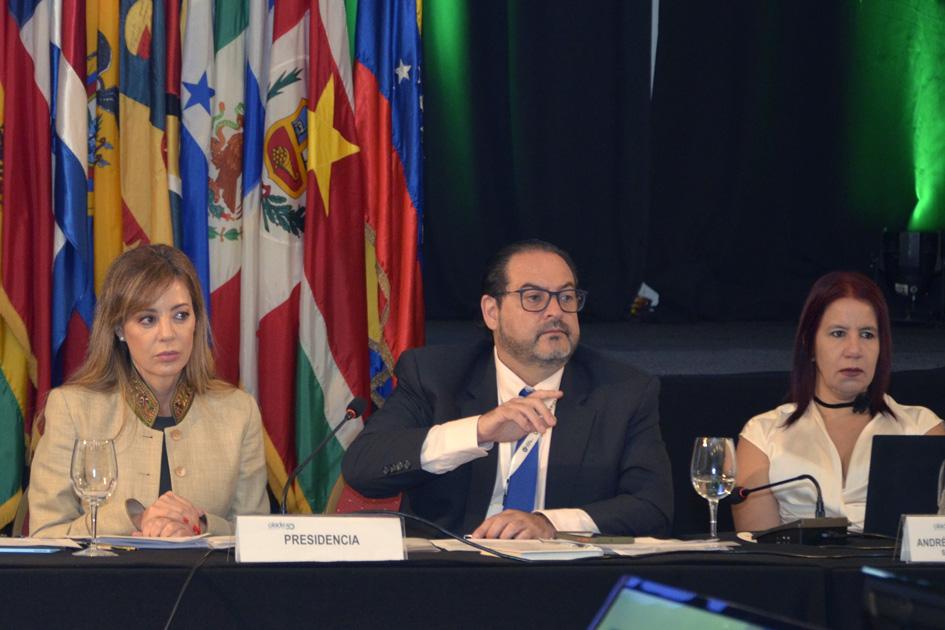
(540, 549)
(451, 544)
(26, 545)
(645, 545)
(423, 544)
(221, 542)
(156, 542)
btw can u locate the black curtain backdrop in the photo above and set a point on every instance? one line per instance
(559, 119)
(729, 192)
(748, 181)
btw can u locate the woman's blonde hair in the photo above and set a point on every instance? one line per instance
(133, 282)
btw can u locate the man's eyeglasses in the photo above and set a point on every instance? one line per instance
(536, 300)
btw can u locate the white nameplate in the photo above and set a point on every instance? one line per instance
(923, 538)
(313, 538)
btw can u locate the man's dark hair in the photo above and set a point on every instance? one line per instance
(496, 278)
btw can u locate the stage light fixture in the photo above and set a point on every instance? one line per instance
(910, 270)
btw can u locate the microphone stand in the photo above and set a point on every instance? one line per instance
(819, 512)
(355, 409)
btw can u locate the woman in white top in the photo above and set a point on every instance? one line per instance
(840, 374)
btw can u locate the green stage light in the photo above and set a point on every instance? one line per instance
(896, 102)
(927, 96)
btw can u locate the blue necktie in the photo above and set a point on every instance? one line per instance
(520, 495)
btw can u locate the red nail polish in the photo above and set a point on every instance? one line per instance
(196, 530)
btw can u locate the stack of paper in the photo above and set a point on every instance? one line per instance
(643, 546)
(569, 550)
(203, 541)
(527, 549)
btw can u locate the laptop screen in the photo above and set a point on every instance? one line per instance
(903, 479)
(638, 603)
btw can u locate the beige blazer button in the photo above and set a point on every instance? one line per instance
(180, 471)
(175, 434)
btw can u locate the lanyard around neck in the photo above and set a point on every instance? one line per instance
(523, 448)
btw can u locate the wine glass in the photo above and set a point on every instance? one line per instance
(94, 474)
(713, 473)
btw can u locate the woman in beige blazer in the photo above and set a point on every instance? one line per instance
(189, 446)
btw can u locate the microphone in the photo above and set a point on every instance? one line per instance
(739, 494)
(355, 408)
(806, 531)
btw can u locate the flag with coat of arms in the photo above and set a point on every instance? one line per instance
(278, 150)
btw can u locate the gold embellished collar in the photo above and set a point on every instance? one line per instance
(145, 403)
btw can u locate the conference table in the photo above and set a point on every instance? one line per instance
(138, 589)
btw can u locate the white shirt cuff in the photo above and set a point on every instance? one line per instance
(452, 444)
(570, 520)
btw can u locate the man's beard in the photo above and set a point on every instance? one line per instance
(528, 352)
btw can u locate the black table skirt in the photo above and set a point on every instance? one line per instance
(137, 590)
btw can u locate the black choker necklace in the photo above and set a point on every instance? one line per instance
(833, 405)
(859, 404)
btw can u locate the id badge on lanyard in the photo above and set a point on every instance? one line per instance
(520, 453)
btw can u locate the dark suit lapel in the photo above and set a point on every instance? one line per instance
(481, 396)
(569, 438)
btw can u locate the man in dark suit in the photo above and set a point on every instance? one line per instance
(527, 434)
